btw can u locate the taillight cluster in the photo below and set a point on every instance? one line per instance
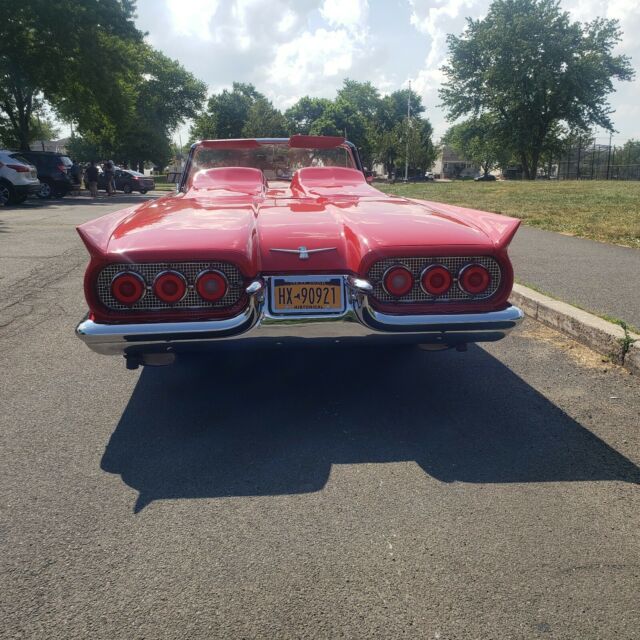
(19, 168)
(436, 280)
(170, 287)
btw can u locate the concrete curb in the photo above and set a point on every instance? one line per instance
(606, 338)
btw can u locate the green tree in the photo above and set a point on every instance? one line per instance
(415, 144)
(630, 152)
(77, 55)
(301, 116)
(41, 127)
(392, 109)
(341, 118)
(167, 95)
(264, 121)
(85, 149)
(529, 66)
(478, 140)
(387, 148)
(226, 113)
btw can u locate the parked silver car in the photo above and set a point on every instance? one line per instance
(18, 177)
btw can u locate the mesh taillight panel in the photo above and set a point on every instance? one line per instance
(417, 266)
(190, 270)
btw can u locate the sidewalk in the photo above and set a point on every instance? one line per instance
(598, 277)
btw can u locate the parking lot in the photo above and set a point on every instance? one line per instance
(351, 493)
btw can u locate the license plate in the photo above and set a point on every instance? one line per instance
(312, 294)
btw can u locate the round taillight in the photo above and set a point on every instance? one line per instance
(211, 285)
(474, 279)
(436, 280)
(397, 281)
(127, 287)
(170, 287)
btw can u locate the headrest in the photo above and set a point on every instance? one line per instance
(244, 180)
(327, 181)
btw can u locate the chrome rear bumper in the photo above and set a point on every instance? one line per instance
(256, 325)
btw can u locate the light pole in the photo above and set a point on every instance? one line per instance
(406, 148)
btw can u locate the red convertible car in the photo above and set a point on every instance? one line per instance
(279, 240)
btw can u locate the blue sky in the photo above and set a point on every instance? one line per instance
(292, 48)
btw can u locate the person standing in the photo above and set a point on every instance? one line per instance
(109, 176)
(91, 175)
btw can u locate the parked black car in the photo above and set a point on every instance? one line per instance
(485, 178)
(54, 172)
(128, 180)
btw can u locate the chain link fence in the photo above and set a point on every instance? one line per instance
(597, 161)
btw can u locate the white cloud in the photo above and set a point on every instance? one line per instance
(345, 13)
(291, 48)
(191, 19)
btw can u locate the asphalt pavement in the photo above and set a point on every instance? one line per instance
(597, 277)
(352, 493)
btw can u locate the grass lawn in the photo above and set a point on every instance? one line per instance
(608, 211)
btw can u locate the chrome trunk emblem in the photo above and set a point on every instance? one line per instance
(303, 252)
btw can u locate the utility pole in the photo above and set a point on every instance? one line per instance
(406, 148)
(609, 157)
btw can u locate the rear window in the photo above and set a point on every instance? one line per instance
(66, 161)
(19, 158)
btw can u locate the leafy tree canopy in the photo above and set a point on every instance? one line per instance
(226, 113)
(304, 113)
(529, 66)
(78, 55)
(478, 140)
(264, 120)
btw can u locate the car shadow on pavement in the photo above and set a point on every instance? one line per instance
(274, 422)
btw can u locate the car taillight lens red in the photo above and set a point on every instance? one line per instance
(127, 288)
(398, 281)
(211, 286)
(474, 279)
(436, 280)
(20, 168)
(170, 287)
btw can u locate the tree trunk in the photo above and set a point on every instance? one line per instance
(525, 166)
(533, 167)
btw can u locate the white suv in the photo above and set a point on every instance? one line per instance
(18, 178)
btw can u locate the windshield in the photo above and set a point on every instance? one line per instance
(277, 161)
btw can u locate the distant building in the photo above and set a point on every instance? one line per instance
(450, 165)
(57, 146)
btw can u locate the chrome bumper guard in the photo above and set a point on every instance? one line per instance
(257, 324)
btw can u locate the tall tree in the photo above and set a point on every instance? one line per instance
(226, 113)
(167, 95)
(77, 55)
(264, 120)
(301, 116)
(415, 146)
(478, 140)
(529, 66)
(341, 118)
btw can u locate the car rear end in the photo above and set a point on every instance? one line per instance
(54, 172)
(18, 178)
(143, 183)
